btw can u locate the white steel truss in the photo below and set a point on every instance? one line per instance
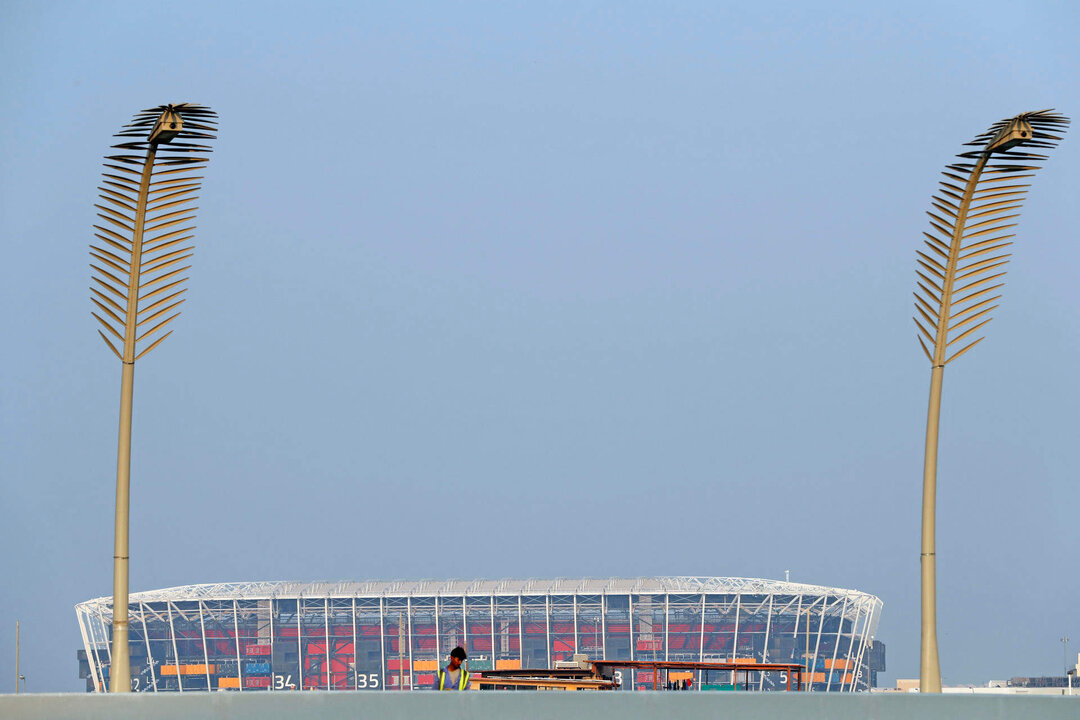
(241, 635)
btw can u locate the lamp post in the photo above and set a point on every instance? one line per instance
(1065, 653)
(974, 210)
(145, 213)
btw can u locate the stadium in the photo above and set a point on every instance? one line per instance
(392, 635)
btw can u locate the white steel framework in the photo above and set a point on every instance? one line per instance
(392, 635)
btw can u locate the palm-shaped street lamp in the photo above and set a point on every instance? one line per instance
(138, 274)
(960, 275)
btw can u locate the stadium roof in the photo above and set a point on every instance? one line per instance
(509, 587)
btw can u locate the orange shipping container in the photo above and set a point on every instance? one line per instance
(187, 669)
(688, 675)
(507, 664)
(228, 682)
(831, 664)
(425, 665)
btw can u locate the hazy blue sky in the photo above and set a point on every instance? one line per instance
(594, 288)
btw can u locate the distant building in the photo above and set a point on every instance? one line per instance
(393, 635)
(1046, 685)
(1051, 681)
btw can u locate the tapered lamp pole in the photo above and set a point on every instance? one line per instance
(138, 286)
(120, 668)
(974, 211)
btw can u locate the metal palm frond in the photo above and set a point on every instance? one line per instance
(975, 209)
(147, 192)
(146, 214)
(974, 213)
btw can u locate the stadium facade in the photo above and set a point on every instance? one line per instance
(390, 636)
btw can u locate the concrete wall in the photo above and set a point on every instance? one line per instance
(534, 706)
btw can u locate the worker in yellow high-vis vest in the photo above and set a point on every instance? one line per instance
(453, 676)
